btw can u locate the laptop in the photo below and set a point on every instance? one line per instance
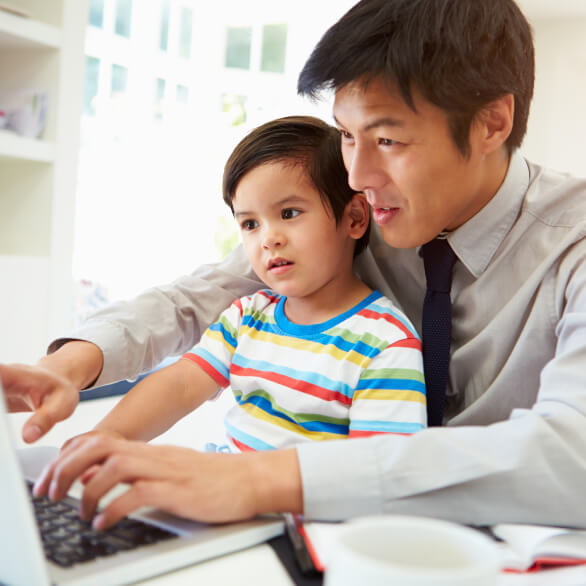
(42, 547)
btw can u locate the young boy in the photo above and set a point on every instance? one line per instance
(317, 356)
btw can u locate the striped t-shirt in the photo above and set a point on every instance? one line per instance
(357, 374)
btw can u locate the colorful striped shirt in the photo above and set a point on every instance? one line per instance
(357, 374)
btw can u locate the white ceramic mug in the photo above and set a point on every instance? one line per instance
(412, 551)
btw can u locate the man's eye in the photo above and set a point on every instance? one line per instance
(289, 213)
(346, 135)
(387, 141)
(249, 224)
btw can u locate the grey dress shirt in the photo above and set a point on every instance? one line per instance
(514, 448)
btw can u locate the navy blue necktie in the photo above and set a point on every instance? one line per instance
(438, 260)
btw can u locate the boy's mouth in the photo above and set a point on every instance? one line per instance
(277, 263)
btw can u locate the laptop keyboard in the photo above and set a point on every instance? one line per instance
(68, 540)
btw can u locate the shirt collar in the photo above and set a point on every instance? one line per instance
(476, 241)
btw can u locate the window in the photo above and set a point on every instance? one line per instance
(123, 18)
(185, 30)
(238, 42)
(160, 85)
(92, 75)
(182, 94)
(234, 109)
(150, 96)
(164, 32)
(274, 44)
(119, 79)
(96, 13)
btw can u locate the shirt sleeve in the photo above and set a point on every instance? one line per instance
(526, 469)
(136, 335)
(214, 351)
(390, 395)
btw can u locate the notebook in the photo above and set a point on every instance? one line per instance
(132, 552)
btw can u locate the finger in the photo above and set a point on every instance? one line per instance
(143, 493)
(89, 474)
(16, 382)
(22, 380)
(56, 406)
(18, 403)
(122, 467)
(78, 456)
(42, 483)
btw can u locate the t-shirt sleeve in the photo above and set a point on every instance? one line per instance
(216, 347)
(390, 394)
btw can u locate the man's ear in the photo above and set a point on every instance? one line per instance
(495, 123)
(357, 216)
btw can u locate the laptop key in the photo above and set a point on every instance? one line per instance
(65, 561)
(69, 540)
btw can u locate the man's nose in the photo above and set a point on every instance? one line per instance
(365, 170)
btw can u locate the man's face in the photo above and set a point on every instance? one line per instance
(415, 179)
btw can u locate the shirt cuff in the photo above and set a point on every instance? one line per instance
(341, 479)
(109, 338)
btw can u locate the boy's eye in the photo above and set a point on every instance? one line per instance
(289, 213)
(249, 224)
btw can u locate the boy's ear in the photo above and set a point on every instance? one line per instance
(357, 216)
(496, 122)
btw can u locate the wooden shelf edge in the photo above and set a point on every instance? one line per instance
(17, 31)
(13, 146)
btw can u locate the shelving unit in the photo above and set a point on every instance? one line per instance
(43, 52)
(20, 32)
(17, 147)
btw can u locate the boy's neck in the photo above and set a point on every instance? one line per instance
(327, 303)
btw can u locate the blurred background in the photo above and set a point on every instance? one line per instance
(170, 88)
(129, 196)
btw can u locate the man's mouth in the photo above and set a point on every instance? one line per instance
(384, 215)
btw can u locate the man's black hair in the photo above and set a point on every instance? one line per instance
(460, 55)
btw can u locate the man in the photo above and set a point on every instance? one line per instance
(432, 99)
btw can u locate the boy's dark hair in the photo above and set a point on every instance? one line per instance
(459, 54)
(296, 140)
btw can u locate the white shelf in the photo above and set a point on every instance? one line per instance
(13, 146)
(21, 32)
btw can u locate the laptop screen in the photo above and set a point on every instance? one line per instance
(22, 559)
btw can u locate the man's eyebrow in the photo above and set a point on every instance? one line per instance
(377, 123)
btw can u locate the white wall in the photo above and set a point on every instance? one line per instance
(557, 123)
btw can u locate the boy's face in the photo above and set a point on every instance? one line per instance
(292, 241)
(408, 166)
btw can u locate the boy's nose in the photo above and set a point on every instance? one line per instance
(273, 238)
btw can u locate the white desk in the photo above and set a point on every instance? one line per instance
(256, 566)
